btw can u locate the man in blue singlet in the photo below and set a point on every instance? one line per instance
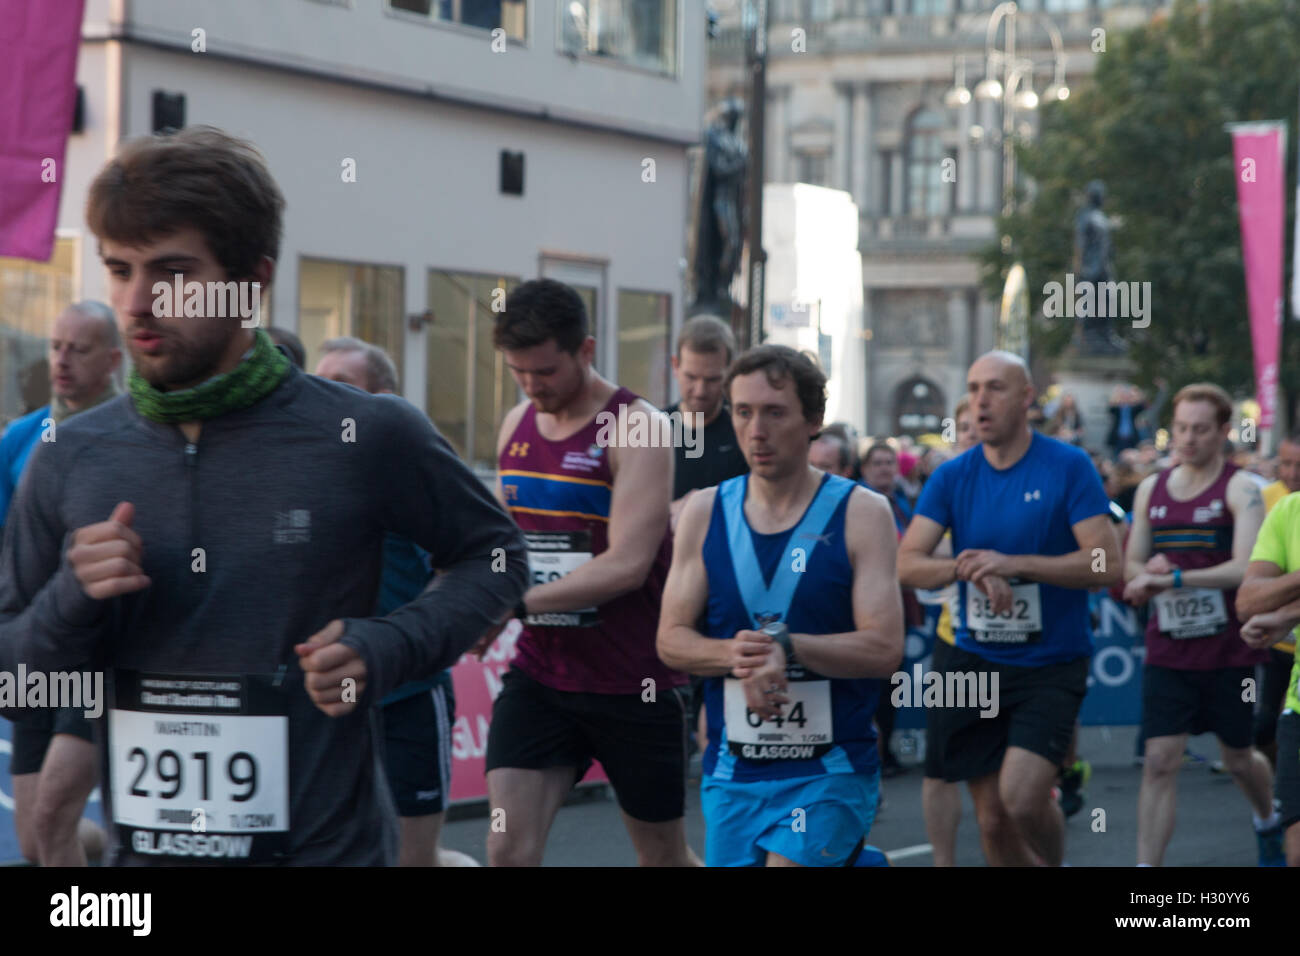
(782, 594)
(1031, 533)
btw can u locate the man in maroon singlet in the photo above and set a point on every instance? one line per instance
(1193, 529)
(585, 468)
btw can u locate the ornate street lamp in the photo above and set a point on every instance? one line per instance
(1008, 79)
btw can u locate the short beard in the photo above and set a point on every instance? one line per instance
(177, 371)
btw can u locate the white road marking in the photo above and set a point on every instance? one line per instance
(909, 851)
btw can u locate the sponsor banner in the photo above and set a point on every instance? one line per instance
(38, 92)
(1259, 151)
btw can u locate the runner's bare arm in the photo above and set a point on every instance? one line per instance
(686, 593)
(918, 567)
(1265, 588)
(1139, 535)
(876, 647)
(1097, 563)
(1247, 506)
(508, 426)
(638, 519)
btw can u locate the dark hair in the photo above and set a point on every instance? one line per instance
(289, 344)
(878, 446)
(540, 310)
(846, 434)
(199, 177)
(782, 363)
(841, 446)
(706, 334)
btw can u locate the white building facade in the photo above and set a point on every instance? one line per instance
(856, 101)
(431, 152)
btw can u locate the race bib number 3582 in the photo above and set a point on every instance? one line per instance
(1022, 623)
(198, 768)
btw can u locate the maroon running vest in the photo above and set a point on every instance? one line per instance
(560, 493)
(1195, 534)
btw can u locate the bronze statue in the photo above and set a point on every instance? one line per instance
(718, 230)
(1092, 264)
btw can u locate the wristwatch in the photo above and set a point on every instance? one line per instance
(779, 633)
(1178, 577)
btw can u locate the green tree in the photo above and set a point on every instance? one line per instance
(1150, 124)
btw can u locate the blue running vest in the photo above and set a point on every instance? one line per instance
(803, 577)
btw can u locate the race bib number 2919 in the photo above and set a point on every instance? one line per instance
(194, 774)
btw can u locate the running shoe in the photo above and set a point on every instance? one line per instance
(1271, 850)
(1074, 780)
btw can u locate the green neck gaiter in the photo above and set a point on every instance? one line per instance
(248, 383)
(59, 409)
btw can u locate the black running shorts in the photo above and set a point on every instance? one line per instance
(1196, 702)
(1287, 782)
(640, 744)
(32, 735)
(1036, 711)
(417, 749)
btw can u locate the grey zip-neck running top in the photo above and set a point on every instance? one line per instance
(255, 537)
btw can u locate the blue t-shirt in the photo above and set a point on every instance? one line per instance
(15, 448)
(1029, 508)
(822, 603)
(406, 574)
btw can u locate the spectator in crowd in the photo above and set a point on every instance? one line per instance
(289, 344)
(830, 453)
(1126, 404)
(1066, 422)
(849, 435)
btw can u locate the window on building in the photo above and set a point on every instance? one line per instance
(510, 15)
(640, 32)
(32, 294)
(348, 298)
(821, 10)
(926, 192)
(929, 8)
(644, 326)
(468, 387)
(812, 167)
(886, 174)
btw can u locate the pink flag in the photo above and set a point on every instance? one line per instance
(38, 91)
(1259, 150)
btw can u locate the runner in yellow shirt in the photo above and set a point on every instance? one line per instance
(1269, 602)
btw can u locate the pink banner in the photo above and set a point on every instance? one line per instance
(38, 92)
(477, 685)
(1259, 150)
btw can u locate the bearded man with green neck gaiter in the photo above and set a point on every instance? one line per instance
(227, 521)
(53, 760)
